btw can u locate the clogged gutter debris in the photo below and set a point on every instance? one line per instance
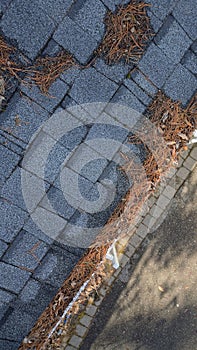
(173, 122)
(88, 264)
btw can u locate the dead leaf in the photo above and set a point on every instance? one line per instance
(73, 284)
(2, 86)
(17, 120)
(170, 143)
(161, 289)
(1, 100)
(90, 300)
(188, 123)
(183, 136)
(164, 117)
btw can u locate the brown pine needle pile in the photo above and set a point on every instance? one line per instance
(176, 124)
(127, 33)
(44, 72)
(7, 65)
(8, 69)
(47, 69)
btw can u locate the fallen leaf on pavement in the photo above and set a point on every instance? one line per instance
(160, 288)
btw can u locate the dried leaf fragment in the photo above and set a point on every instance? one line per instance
(183, 136)
(161, 289)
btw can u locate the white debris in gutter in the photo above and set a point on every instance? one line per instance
(194, 138)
